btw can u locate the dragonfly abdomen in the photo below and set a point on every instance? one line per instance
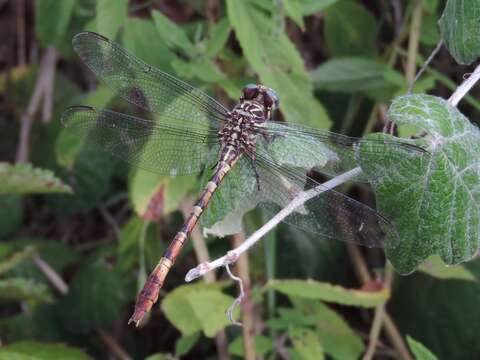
(149, 294)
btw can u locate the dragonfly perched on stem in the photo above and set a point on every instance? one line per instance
(275, 157)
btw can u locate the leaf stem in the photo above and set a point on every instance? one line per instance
(465, 87)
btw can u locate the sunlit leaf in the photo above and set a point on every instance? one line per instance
(310, 7)
(435, 267)
(263, 345)
(185, 344)
(293, 10)
(310, 289)
(307, 343)
(25, 179)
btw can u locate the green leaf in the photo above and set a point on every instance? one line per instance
(171, 33)
(460, 30)
(293, 10)
(307, 343)
(24, 289)
(24, 179)
(310, 289)
(30, 350)
(263, 345)
(184, 344)
(419, 350)
(52, 19)
(198, 307)
(111, 15)
(431, 199)
(137, 38)
(310, 7)
(11, 214)
(218, 37)
(350, 30)
(95, 299)
(435, 267)
(336, 336)
(158, 356)
(354, 74)
(279, 65)
(14, 258)
(429, 34)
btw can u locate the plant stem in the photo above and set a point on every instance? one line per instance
(413, 41)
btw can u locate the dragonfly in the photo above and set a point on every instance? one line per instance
(192, 133)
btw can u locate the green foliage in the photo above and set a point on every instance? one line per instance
(11, 214)
(306, 343)
(52, 20)
(23, 289)
(111, 15)
(460, 31)
(278, 64)
(263, 345)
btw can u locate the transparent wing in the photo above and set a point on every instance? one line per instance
(326, 212)
(144, 85)
(341, 150)
(160, 148)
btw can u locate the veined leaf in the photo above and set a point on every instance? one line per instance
(310, 289)
(111, 15)
(25, 179)
(460, 30)
(419, 350)
(435, 267)
(433, 200)
(277, 62)
(30, 350)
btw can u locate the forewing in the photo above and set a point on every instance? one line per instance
(150, 145)
(144, 85)
(341, 151)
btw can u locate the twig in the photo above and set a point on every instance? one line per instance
(413, 41)
(46, 72)
(201, 252)
(113, 345)
(245, 299)
(238, 300)
(300, 199)
(426, 63)
(465, 87)
(378, 318)
(62, 287)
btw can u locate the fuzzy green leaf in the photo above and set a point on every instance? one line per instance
(24, 179)
(460, 30)
(432, 200)
(310, 289)
(277, 62)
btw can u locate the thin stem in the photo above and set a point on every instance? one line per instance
(201, 252)
(413, 42)
(465, 87)
(300, 199)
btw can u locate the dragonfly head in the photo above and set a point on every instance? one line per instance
(263, 95)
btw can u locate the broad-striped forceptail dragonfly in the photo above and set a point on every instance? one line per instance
(192, 133)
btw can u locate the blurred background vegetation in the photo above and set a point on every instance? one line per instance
(77, 234)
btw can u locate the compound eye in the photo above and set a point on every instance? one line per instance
(271, 99)
(250, 91)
